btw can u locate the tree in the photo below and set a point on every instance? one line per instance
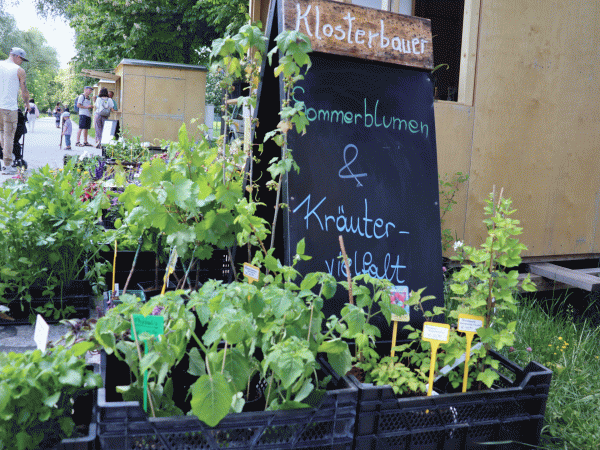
(159, 30)
(43, 60)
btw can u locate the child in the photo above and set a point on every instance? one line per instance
(67, 130)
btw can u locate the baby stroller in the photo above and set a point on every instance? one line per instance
(18, 146)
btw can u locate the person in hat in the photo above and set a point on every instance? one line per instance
(67, 129)
(12, 78)
(85, 116)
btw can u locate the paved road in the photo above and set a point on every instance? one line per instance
(41, 147)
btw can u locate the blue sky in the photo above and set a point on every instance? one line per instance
(57, 32)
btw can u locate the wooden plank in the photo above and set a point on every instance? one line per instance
(100, 75)
(468, 52)
(571, 277)
(591, 271)
(542, 284)
(351, 30)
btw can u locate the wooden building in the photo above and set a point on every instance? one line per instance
(516, 110)
(154, 98)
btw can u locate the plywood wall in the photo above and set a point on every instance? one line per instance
(537, 125)
(156, 101)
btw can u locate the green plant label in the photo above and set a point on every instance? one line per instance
(154, 325)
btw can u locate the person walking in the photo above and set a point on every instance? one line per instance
(32, 113)
(12, 78)
(104, 106)
(85, 116)
(57, 112)
(67, 129)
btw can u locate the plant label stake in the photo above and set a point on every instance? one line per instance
(114, 269)
(170, 269)
(398, 296)
(469, 325)
(154, 325)
(251, 272)
(434, 333)
(40, 335)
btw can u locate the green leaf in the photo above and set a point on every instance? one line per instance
(340, 362)
(488, 377)
(52, 399)
(72, 377)
(211, 398)
(196, 366)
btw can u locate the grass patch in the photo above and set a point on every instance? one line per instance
(569, 346)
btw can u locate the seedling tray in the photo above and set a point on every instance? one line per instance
(78, 295)
(511, 413)
(124, 425)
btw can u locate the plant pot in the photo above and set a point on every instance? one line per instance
(78, 294)
(84, 415)
(330, 424)
(150, 289)
(144, 268)
(513, 411)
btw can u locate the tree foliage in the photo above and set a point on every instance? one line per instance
(43, 60)
(158, 30)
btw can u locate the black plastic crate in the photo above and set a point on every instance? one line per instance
(84, 413)
(512, 411)
(124, 425)
(78, 295)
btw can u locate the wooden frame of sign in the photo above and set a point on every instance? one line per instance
(368, 163)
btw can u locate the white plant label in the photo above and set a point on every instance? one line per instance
(40, 335)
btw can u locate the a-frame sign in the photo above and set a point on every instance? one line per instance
(368, 164)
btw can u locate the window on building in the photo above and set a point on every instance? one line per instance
(447, 28)
(454, 26)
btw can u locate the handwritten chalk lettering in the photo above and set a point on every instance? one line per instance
(415, 45)
(369, 117)
(349, 173)
(390, 268)
(363, 226)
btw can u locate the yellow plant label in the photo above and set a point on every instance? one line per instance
(436, 332)
(469, 324)
(252, 272)
(172, 261)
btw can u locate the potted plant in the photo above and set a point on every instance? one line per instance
(243, 330)
(42, 397)
(504, 402)
(51, 239)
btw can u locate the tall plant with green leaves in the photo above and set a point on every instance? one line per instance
(484, 286)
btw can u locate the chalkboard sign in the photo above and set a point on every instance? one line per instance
(368, 172)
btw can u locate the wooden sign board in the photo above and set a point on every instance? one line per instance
(350, 30)
(368, 171)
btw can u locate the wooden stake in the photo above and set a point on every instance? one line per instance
(347, 270)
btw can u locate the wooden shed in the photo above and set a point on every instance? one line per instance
(517, 111)
(155, 98)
